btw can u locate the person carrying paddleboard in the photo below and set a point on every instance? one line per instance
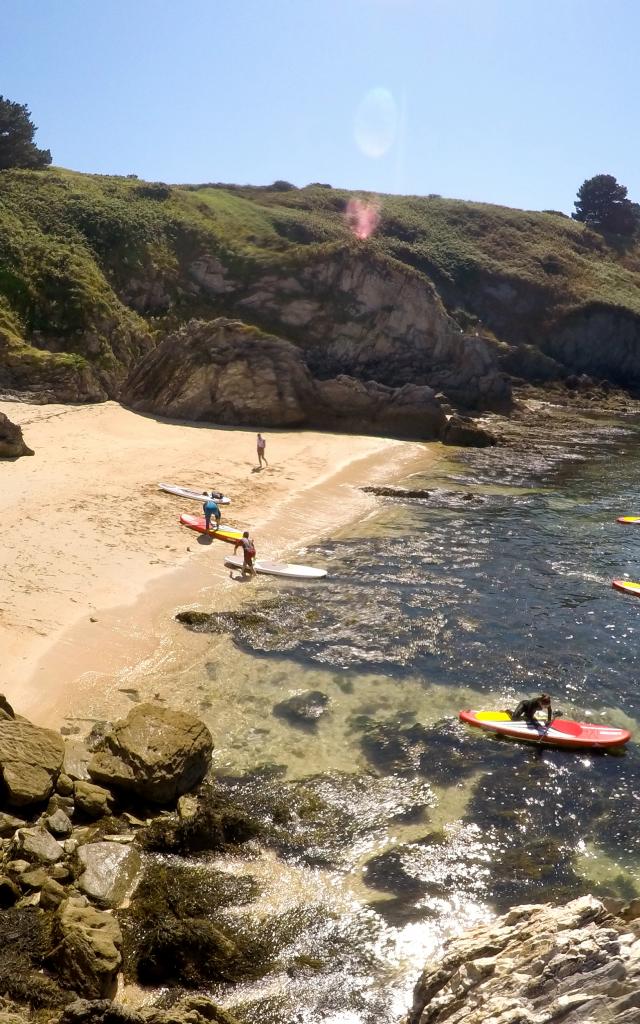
(249, 552)
(210, 508)
(261, 444)
(528, 709)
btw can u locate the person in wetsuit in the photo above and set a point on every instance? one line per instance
(528, 709)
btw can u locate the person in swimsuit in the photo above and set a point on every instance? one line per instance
(249, 552)
(261, 444)
(210, 508)
(528, 709)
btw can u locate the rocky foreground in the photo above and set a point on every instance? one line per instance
(104, 878)
(578, 964)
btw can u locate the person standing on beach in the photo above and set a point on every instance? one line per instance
(249, 552)
(261, 444)
(210, 508)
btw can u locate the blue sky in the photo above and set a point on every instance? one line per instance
(505, 101)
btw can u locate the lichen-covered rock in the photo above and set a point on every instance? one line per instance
(536, 964)
(154, 753)
(30, 761)
(87, 953)
(107, 871)
(12, 444)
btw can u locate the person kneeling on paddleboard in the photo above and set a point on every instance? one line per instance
(528, 709)
(210, 508)
(249, 551)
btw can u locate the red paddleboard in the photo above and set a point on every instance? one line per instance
(228, 533)
(626, 586)
(562, 732)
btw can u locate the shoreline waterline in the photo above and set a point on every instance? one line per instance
(83, 668)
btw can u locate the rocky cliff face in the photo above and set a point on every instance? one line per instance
(223, 371)
(537, 965)
(376, 319)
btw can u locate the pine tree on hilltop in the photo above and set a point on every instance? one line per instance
(17, 148)
(602, 203)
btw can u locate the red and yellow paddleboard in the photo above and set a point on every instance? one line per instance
(626, 586)
(197, 523)
(562, 732)
(628, 520)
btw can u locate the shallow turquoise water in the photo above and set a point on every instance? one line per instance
(495, 586)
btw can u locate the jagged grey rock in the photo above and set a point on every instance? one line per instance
(30, 761)
(108, 871)
(59, 824)
(155, 753)
(537, 964)
(36, 844)
(87, 951)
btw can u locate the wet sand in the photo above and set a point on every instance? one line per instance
(93, 561)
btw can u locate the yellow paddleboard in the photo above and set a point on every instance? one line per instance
(626, 586)
(628, 519)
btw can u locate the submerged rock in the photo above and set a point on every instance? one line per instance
(154, 753)
(574, 963)
(304, 708)
(216, 823)
(190, 1010)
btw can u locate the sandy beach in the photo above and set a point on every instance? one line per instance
(94, 561)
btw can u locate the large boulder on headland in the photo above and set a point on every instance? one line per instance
(12, 444)
(154, 753)
(30, 761)
(224, 371)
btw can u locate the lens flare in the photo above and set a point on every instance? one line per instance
(362, 218)
(376, 122)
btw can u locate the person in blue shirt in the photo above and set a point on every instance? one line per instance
(210, 508)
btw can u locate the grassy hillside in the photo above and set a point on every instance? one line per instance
(93, 268)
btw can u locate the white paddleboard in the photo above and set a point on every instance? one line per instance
(190, 492)
(286, 569)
